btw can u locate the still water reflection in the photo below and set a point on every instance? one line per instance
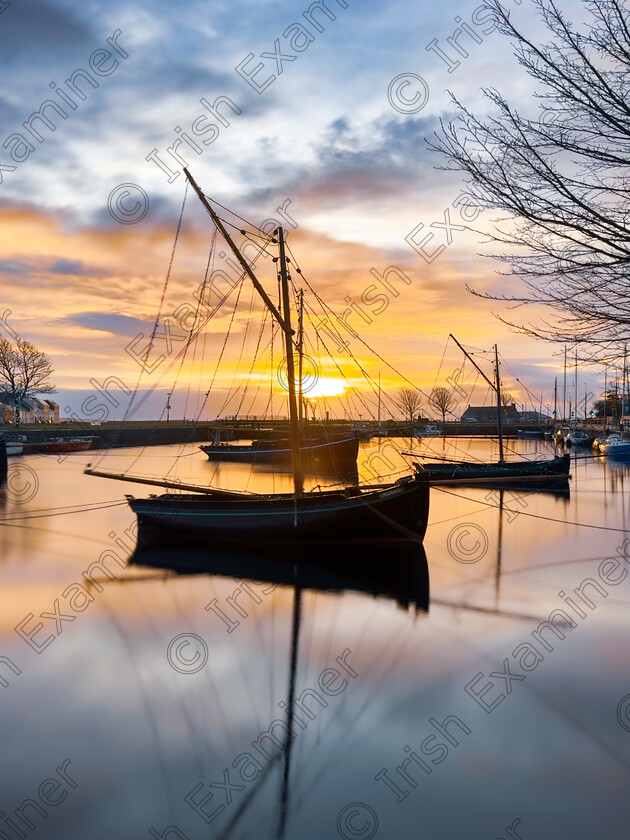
(159, 687)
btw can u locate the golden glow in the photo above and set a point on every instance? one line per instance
(325, 386)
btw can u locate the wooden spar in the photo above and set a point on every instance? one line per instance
(175, 485)
(496, 386)
(298, 479)
(300, 348)
(468, 356)
(499, 404)
(245, 265)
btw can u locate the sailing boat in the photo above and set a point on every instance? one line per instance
(551, 472)
(398, 509)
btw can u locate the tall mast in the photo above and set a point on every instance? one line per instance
(585, 399)
(625, 380)
(300, 349)
(564, 388)
(555, 398)
(605, 393)
(241, 259)
(499, 405)
(379, 398)
(298, 479)
(577, 396)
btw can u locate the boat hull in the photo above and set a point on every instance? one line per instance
(339, 454)
(620, 449)
(58, 445)
(510, 474)
(399, 511)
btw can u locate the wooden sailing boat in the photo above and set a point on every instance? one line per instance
(398, 509)
(334, 452)
(546, 473)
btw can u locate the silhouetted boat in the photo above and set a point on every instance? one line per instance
(394, 509)
(509, 474)
(338, 453)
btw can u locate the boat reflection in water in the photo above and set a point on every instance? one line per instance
(394, 569)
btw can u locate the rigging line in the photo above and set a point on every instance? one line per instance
(157, 317)
(537, 515)
(182, 353)
(197, 313)
(560, 710)
(439, 370)
(369, 380)
(384, 655)
(262, 236)
(11, 519)
(254, 360)
(327, 308)
(230, 391)
(162, 298)
(225, 340)
(259, 231)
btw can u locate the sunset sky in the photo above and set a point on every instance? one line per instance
(312, 131)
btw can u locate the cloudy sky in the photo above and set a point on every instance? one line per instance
(332, 128)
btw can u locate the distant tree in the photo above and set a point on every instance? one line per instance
(443, 400)
(611, 402)
(559, 179)
(24, 372)
(408, 401)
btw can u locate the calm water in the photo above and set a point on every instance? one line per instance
(548, 745)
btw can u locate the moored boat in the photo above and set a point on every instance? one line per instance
(578, 437)
(510, 474)
(59, 444)
(601, 442)
(430, 430)
(340, 453)
(397, 511)
(618, 448)
(394, 509)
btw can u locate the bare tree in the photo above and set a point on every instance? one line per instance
(24, 372)
(560, 179)
(408, 401)
(443, 400)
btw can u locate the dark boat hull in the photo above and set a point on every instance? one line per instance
(399, 511)
(510, 474)
(337, 454)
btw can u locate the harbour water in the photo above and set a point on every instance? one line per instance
(444, 714)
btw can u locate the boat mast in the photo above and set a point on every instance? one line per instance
(499, 404)
(564, 388)
(577, 395)
(496, 385)
(298, 479)
(300, 349)
(241, 259)
(379, 399)
(555, 398)
(605, 393)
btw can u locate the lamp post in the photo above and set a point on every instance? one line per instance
(168, 407)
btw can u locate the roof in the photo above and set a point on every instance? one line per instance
(488, 413)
